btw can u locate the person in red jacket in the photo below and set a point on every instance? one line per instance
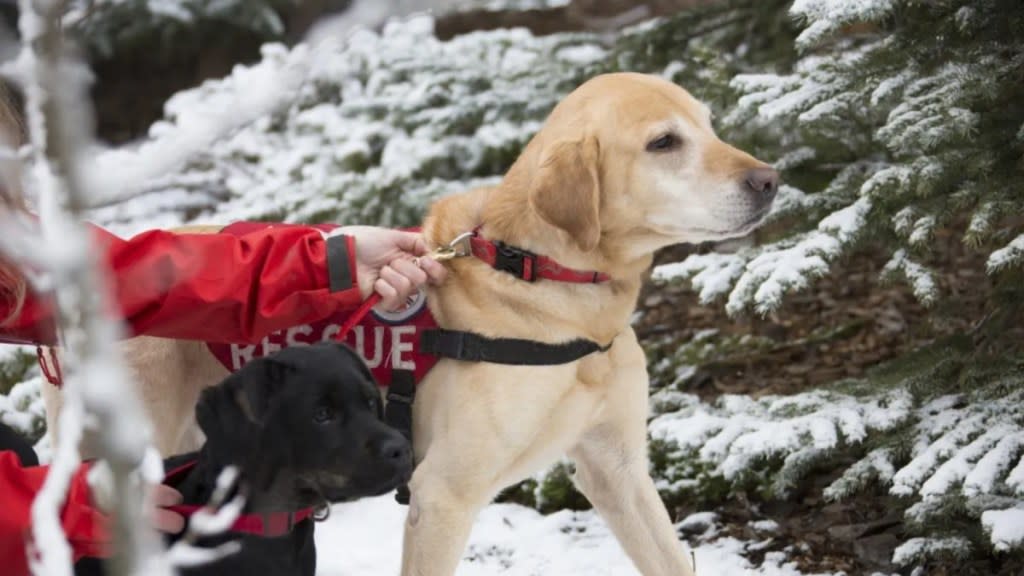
(210, 287)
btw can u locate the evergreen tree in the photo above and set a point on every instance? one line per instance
(898, 126)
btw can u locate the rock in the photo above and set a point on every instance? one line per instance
(876, 551)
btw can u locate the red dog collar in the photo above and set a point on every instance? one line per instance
(271, 525)
(520, 263)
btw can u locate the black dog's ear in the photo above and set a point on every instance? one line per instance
(248, 393)
(232, 415)
(260, 384)
(219, 416)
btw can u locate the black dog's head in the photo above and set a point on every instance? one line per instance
(304, 426)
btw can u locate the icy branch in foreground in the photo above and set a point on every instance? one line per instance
(97, 396)
(214, 519)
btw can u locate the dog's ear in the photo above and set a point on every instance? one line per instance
(566, 190)
(233, 414)
(219, 416)
(260, 385)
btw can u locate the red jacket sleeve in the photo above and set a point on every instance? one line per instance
(214, 287)
(84, 526)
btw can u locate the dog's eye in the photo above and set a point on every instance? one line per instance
(664, 143)
(323, 414)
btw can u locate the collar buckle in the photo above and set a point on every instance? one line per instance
(516, 261)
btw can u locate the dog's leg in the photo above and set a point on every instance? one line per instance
(441, 514)
(611, 470)
(478, 429)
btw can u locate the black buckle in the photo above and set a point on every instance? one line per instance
(513, 260)
(400, 398)
(402, 389)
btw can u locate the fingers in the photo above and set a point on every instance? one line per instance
(411, 272)
(164, 495)
(165, 520)
(436, 272)
(388, 295)
(399, 280)
(168, 522)
(411, 243)
(402, 278)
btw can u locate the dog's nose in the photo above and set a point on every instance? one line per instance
(391, 449)
(763, 182)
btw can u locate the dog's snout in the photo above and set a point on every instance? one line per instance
(391, 449)
(763, 182)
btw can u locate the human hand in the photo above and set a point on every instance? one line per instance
(100, 482)
(162, 519)
(389, 262)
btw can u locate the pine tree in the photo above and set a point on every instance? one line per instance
(916, 110)
(898, 126)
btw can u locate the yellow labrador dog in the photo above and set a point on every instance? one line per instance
(624, 165)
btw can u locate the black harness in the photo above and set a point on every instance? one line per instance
(472, 347)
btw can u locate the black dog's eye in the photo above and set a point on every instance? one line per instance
(323, 414)
(664, 143)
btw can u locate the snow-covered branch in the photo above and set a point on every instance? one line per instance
(216, 518)
(99, 404)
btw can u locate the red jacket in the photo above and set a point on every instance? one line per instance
(210, 287)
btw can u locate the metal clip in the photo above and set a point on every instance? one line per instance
(457, 248)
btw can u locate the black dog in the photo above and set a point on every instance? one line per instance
(304, 428)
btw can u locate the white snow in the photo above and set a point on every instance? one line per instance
(954, 470)
(711, 274)
(364, 538)
(197, 119)
(1009, 255)
(365, 129)
(920, 278)
(982, 479)
(738, 430)
(919, 549)
(788, 266)
(1005, 527)
(914, 474)
(827, 16)
(22, 408)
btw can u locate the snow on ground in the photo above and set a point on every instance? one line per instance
(364, 538)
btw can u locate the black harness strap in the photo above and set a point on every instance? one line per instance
(472, 347)
(398, 413)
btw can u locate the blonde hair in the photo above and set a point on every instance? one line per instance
(12, 281)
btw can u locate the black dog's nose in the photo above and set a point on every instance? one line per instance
(763, 182)
(391, 449)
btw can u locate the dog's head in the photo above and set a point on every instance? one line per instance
(633, 160)
(304, 426)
